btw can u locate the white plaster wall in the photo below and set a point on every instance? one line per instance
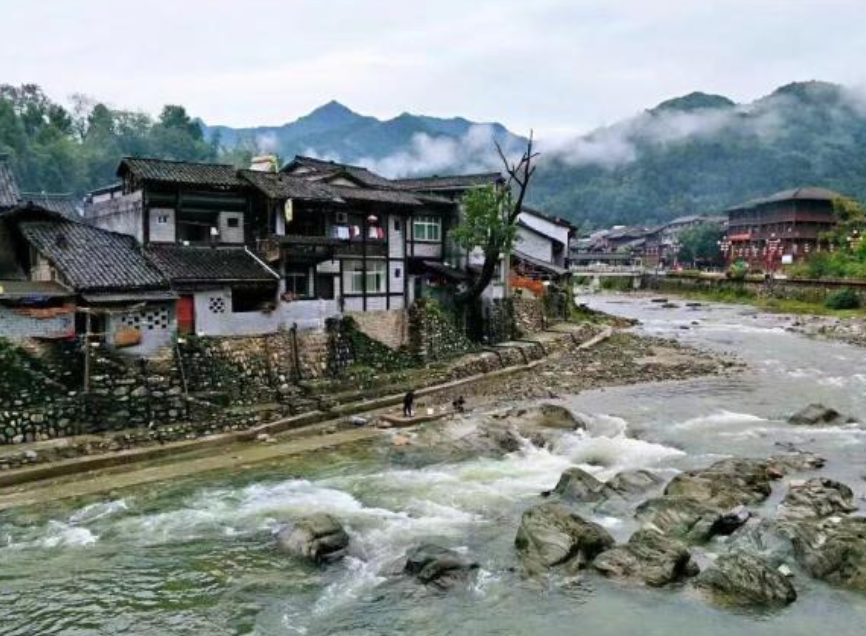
(353, 303)
(156, 335)
(534, 245)
(226, 323)
(15, 325)
(231, 234)
(396, 273)
(162, 232)
(428, 250)
(395, 236)
(544, 226)
(308, 314)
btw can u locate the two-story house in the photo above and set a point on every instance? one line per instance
(193, 222)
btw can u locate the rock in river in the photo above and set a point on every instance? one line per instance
(438, 566)
(818, 415)
(319, 538)
(576, 484)
(833, 550)
(551, 535)
(630, 483)
(741, 579)
(725, 484)
(817, 498)
(648, 557)
(688, 519)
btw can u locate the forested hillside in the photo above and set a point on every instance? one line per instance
(703, 153)
(57, 149)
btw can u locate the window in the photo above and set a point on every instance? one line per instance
(297, 282)
(375, 275)
(233, 222)
(396, 225)
(427, 228)
(162, 219)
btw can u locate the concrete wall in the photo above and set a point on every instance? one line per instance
(534, 245)
(18, 323)
(122, 214)
(162, 232)
(156, 322)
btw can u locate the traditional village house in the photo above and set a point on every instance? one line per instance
(662, 245)
(779, 229)
(193, 221)
(63, 277)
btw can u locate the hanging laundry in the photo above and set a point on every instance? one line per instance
(371, 233)
(356, 231)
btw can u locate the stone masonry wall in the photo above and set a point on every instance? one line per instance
(528, 314)
(434, 336)
(391, 328)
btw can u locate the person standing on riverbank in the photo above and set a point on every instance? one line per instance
(409, 404)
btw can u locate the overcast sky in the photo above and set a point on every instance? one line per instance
(555, 65)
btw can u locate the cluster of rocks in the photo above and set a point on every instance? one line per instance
(813, 531)
(850, 330)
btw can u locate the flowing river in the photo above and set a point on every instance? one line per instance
(197, 557)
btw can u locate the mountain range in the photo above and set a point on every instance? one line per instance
(698, 153)
(337, 132)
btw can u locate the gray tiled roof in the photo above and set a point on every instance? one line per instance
(64, 204)
(796, 194)
(92, 259)
(9, 194)
(376, 195)
(212, 174)
(328, 169)
(191, 264)
(282, 186)
(453, 182)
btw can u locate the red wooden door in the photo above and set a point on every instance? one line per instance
(185, 315)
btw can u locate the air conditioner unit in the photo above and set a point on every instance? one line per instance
(342, 218)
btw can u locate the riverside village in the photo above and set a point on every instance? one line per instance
(373, 375)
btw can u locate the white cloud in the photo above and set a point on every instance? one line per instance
(546, 64)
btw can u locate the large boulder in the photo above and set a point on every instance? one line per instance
(631, 483)
(741, 579)
(833, 550)
(551, 535)
(817, 498)
(319, 538)
(818, 415)
(438, 566)
(725, 484)
(649, 558)
(575, 484)
(688, 519)
(543, 416)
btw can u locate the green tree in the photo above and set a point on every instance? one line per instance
(489, 220)
(699, 244)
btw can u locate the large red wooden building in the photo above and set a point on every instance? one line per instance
(780, 229)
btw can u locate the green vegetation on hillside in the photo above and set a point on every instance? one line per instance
(700, 154)
(55, 149)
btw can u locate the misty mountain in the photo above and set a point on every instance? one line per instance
(703, 153)
(405, 145)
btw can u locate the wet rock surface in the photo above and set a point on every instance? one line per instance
(551, 535)
(688, 519)
(576, 484)
(725, 484)
(440, 567)
(648, 558)
(815, 499)
(818, 415)
(319, 538)
(741, 579)
(833, 550)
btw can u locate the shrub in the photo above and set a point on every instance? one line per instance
(738, 271)
(845, 298)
